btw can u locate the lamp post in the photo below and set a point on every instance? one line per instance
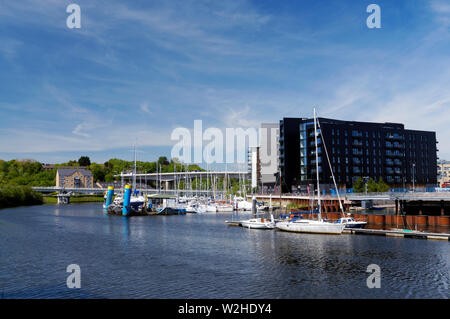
(414, 179)
(366, 180)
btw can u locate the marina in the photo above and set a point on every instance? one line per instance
(200, 256)
(399, 233)
(225, 150)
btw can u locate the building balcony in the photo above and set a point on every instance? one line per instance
(395, 154)
(394, 136)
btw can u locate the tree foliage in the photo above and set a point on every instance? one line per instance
(31, 173)
(84, 161)
(11, 196)
(359, 186)
(25, 172)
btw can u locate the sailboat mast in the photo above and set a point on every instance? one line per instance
(134, 169)
(331, 169)
(317, 166)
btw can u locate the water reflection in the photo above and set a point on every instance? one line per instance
(125, 228)
(200, 256)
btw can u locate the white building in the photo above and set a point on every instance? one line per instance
(268, 152)
(254, 166)
(263, 160)
(443, 172)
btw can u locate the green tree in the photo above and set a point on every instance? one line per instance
(162, 160)
(382, 186)
(372, 186)
(358, 185)
(98, 172)
(84, 161)
(109, 178)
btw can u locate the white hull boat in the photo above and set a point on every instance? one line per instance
(318, 226)
(224, 208)
(311, 226)
(202, 209)
(258, 223)
(243, 205)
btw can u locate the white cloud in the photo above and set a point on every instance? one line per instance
(145, 108)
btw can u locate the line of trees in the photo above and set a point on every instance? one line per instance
(26, 173)
(372, 186)
(31, 173)
(12, 196)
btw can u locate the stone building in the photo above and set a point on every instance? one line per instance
(74, 178)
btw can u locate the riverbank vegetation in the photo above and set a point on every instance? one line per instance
(29, 172)
(13, 196)
(52, 199)
(25, 173)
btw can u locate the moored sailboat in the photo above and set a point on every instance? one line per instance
(319, 226)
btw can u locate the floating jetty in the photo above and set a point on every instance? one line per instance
(233, 223)
(398, 233)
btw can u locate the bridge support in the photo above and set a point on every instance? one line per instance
(367, 204)
(63, 198)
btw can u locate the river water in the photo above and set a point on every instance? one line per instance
(199, 256)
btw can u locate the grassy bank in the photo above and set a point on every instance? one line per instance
(52, 199)
(13, 196)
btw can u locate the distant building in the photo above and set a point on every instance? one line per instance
(254, 166)
(268, 155)
(50, 167)
(74, 178)
(263, 159)
(400, 157)
(443, 172)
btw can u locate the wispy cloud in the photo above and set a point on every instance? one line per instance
(442, 10)
(147, 67)
(145, 108)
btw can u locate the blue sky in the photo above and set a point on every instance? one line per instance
(139, 69)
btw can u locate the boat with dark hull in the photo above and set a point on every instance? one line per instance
(351, 223)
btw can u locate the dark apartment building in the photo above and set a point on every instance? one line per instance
(399, 156)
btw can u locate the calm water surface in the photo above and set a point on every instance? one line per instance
(199, 256)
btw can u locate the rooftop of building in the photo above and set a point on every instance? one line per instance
(385, 125)
(71, 171)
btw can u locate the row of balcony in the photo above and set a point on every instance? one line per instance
(395, 145)
(395, 153)
(394, 136)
